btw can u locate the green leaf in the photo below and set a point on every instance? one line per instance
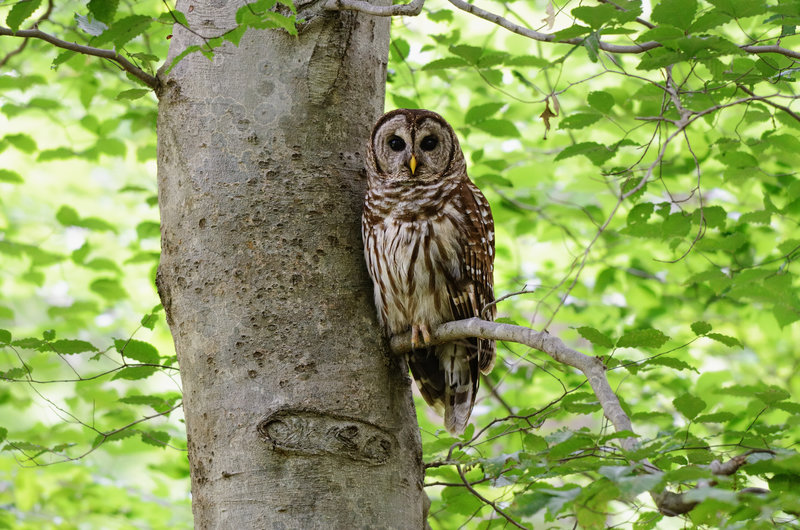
(445, 63)
(701, 328)
(124, 30)
(501, 128)
(678, 13)
(595, 337)
(20, 12)
(58, 153)
(148, 229)
(6, 175)
(156, 438)
(716, 417)
(23, 142)
(67, 216)
(527, 60)
(642, 338)
(481, 112)
(5, 336)
(110, 147)
(689, 405)
(137, 350)
(135, 372)
(724, 339)
(596, 153)
(571, 32)
(740, 8)
(671, 362)
(133, 93)
(108, 288)
(601, 101)
(772, 395)
(579, 120)
(72, 346)
(103, 10)
(595, 16)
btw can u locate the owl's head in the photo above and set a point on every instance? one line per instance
(414, 146)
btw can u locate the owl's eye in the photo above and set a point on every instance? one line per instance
(396, 143)
(429, 143)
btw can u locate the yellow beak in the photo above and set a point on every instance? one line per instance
(412, 164)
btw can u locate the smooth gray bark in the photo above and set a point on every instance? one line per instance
(297, 417)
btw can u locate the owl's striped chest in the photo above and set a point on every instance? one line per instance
(413, 263)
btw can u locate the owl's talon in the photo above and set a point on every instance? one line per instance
(416, 331)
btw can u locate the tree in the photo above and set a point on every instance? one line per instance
(650, 238)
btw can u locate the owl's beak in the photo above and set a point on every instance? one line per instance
(412, 164)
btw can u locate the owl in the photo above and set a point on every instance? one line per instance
(429, 246)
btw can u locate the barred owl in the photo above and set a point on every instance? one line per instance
(429, 246)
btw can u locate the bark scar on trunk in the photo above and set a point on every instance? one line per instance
(310, 432)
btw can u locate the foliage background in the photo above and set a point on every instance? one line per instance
(686, 287)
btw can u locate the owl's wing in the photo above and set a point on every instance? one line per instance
(475, 290)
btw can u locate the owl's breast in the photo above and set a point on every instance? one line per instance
(415, 263)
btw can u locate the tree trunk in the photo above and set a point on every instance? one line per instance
(296, 415)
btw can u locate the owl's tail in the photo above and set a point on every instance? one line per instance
(447, 377)
(459, 363)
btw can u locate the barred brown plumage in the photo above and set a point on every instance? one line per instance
(429, 245)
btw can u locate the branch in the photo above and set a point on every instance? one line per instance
(415, 8)
(411, 9)
(112, 55)
(668, 503)
(592, 367)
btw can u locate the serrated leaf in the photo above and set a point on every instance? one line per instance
(598, 154)
(595, 337)
(671, 362)
(12, 177)
(124, 30)
(156, 438)
(772, 394)
(689, 405)
(72, 346)
(20, 12)
(595, 16)
(740, 8)
(445, 63)
(716, 417)
(642, 338)
(701, 328)
(724, 339)
(678, 13)
(135, 372)
(137, 350)
(103, 10)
